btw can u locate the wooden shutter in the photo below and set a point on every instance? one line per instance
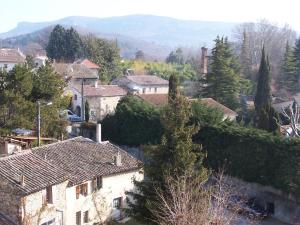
(77, 191)
(49, 196)
(78, 218)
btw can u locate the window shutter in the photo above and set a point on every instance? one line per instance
(49, 197)
(77, 191)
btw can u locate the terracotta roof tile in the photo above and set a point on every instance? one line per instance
(104, 90)
(84, 159)
(158, 100)
(89, 64)
(210, 102)
(38, 172)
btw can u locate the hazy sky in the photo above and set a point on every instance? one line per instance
(280, 11)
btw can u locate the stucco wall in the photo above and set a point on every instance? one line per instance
(99, 203)
(149, 89)
(10, 65)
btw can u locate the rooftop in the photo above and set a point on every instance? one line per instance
(147, 80)
(74, 70)
(38, 173)
(82, 159)
(210, 102)
(87, 63)
(104, 90)
(11, 55)
(158, 100)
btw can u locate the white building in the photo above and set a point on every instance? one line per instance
(40, 60)
(143, 84)
(72, 182)
(10, 57)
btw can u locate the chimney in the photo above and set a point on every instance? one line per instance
(96, 84)
(204, 61)
(118, 159)
(6, 147)
(22, 180)
(98, 133)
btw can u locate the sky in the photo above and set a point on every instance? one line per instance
(277, 11)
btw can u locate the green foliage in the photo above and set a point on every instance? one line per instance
(64, 44)
(266, 118)
(297, 57)
(134, 123)
(288, 79)
(139, 55)
(204, 115)
(87, 111)
(175, 156)
(103, 53)
(253, 155)
(173, 86)
(223, 80)
(176, 57)
(22, 88)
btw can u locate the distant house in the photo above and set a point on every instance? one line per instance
(71, 182)
(75, 74)
(10, 57)
(88, 64)
(103, 99)
(40, 61)
(143, 84)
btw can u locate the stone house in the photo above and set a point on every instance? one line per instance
(103, 99)
(143, 84)
(88, 64)
(10, 57)
(76, 181)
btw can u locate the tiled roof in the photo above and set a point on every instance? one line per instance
(5, 220)
(11, 55)
(38, 173)
(84, 159)
(74, 70)
(104, 90)
(158, 100)
(214, 104)
(147, 80)
(87, 63)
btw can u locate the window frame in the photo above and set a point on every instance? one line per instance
(117, 203)
(86, 216)
(78, 218)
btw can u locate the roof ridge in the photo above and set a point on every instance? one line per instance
(16, 154)
(59, 142)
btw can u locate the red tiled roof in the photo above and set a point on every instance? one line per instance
(89, 64)
(104, 90)
(158, 100)
(38, 172)
(210, 102)
(147, 80)
(84, 159)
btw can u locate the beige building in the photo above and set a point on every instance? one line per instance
(102, 99)
(10, 57)
(72, 182)
(143, 84)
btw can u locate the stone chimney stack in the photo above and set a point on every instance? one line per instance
(118, 159)
(98, 133)
(204, 61)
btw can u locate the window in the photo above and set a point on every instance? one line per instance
(117, 202)
(81, 190)
(86, 217)
(97, 183)
(75, 97)
(144, 90)
(155, 89)
(51, 222)
(49, 197)
(78, 218)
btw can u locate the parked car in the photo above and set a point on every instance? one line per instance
(71, 116)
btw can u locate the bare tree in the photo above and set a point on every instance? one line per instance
(292, 113)
(186, 201)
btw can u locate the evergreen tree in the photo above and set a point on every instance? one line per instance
(176, 57)
(175, 156)
(245, 57)
(223, 80)
(266, 118)
(56, 48)
(173, 86)
(140, 55)
(288, 79)
(87, 111)
(297, 58)
(73, 45)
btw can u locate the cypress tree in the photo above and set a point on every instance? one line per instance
(288, 79)
(297, 58)
(173, 86)
(56, 48)
(223, 81)
(74, 46)
(266, 118)
(87, 111)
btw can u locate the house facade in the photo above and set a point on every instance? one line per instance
(143, 84)
(102, 99)
(76, 181)
(10, 57)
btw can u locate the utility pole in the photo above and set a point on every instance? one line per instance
(82, 100)
(38, 105)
